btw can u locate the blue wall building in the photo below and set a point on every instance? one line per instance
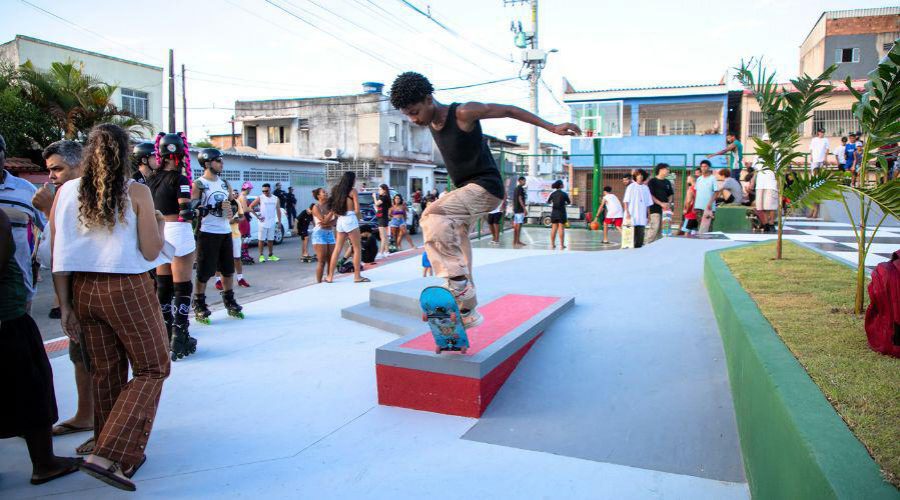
(659, 124)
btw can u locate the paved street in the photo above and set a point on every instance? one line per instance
(270, 278)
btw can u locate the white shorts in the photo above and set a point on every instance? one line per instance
(266, 233)
(181, 236)
(347, 223)
(236, 246)
(816, 165)
(519, 218)
(766, 199)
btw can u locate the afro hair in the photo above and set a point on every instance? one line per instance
(410, 88)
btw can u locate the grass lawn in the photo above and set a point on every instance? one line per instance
(808, 299)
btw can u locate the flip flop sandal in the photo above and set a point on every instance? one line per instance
(108, 475)
(67, 428)
(73, 467)
(131, 471)
(362, 280)
(83, 450)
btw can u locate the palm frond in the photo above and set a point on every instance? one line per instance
(886, 196)
(810, 189)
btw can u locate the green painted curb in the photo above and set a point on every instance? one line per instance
(794, 444)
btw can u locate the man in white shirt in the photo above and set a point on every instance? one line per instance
(818, 151)
(766, 196)
(269, 215)
(637, 201)
(840, 153)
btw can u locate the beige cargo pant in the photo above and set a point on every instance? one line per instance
(445, 227)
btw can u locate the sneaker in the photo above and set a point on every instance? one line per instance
(262, 258)
(465, 297)
(471, 319)
(55, 313)
(219, 285)
(495, 243)
(242, 282)
(273, 258)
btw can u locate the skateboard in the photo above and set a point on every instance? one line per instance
(439, 309)
(627, 236)
(705, 222)
(667, 223)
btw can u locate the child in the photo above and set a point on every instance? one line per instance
(614, 212)
(690, 217)
(558, 200)
(303, 222)
(426, 266)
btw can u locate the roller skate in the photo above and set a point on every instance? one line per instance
(231, 305)
(201, 311)
(183, 345)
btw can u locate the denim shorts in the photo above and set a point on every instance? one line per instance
(323, 237)
(397, 222)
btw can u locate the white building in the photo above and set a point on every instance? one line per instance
(140, 86)
(362, 132)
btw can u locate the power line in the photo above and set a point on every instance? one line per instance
(381, 13)
(345, 42)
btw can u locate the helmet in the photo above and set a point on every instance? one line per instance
(171, 144)
(247, 185)
(207, 155)
(142, 150)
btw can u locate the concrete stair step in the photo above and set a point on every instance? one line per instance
(385, 319)
(401, 297)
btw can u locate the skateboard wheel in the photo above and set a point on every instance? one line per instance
(453, 317)
(463, 350)
(437, 350)
(424, 317)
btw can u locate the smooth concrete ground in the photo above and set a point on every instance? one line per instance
(283, 404)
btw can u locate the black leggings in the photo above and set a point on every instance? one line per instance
(638, 236)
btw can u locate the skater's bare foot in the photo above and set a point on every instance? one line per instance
(563, 246)
(519, 244)
(58, 467)
(552, 247)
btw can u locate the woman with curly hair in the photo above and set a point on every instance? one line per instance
(106, 236)
(345, 204)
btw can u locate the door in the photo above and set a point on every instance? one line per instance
(251, 137)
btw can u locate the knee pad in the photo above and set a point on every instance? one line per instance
(183, 289)
(165, 289)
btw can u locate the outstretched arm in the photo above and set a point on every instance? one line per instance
(730, 147)
(469, 113)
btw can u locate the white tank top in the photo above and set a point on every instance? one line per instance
(96, 250)
(214, 192)
(267, 210)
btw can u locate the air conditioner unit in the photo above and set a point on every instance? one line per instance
(330, 153)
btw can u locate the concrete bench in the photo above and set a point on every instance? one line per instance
(411, 375)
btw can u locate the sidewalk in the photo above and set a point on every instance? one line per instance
(613, 401)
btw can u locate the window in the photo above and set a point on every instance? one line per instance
(303, 123)
(681, 126)
(836, 122)
(135, 102)
(267, 176)
(757, 127)
(231, 176)
(846, 55)
(688, 118)
(393, 132)
(651, 126)
(277, 135)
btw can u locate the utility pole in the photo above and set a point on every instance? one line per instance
(535, 59)
(232, 132)
(183, 101)
(171, 91)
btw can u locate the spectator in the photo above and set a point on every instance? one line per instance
(495, 221)
(323, 231)
(382, 202)
(17, 194)
(840, 154)
(345, 203)
(689, 228)
(766, 186)
(27, 389)
(558, 200)
(279, 193)
(269, 217)
(626, 180)
(63, 159)
(662, 194)
(290, 205)
(398, 223)
(818, 151)
(729, 190)
(735, 149)
(519, 203)
(852, 155)
(111, 237)
(427, 270)
(747, 183)
(637, 201)
(614, 212)
(707, 189)
(303, 222)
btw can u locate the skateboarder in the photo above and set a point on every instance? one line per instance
(456, 129)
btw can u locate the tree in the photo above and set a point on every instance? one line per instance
(74, 100)
(25, 127)
(877, 109)
(203, 143)
(783, 112)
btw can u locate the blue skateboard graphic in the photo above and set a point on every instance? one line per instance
(439, 309)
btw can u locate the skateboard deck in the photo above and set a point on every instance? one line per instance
(704, 225)
(627, 236)
(439, 309)
(667, 223)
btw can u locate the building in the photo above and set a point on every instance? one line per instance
(550, 163)
(855, 40)
(644, 126)
(360, 132)
(302, 173)
(226, 141)
(140, 86)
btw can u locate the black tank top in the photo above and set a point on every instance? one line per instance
(467, 156)
(167, 187)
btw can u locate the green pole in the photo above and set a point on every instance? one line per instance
(598, 171)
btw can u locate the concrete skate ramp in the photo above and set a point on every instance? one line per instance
(634, 374)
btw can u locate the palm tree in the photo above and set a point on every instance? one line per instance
(784, 111)
(877, 109)
(76, 101)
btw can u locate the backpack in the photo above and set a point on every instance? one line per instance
(345, 266)
(883, 313)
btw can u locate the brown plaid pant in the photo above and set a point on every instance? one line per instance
(122, 323)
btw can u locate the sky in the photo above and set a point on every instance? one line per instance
(263, 49)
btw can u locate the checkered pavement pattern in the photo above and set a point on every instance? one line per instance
(834, 238)
(122, 324)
